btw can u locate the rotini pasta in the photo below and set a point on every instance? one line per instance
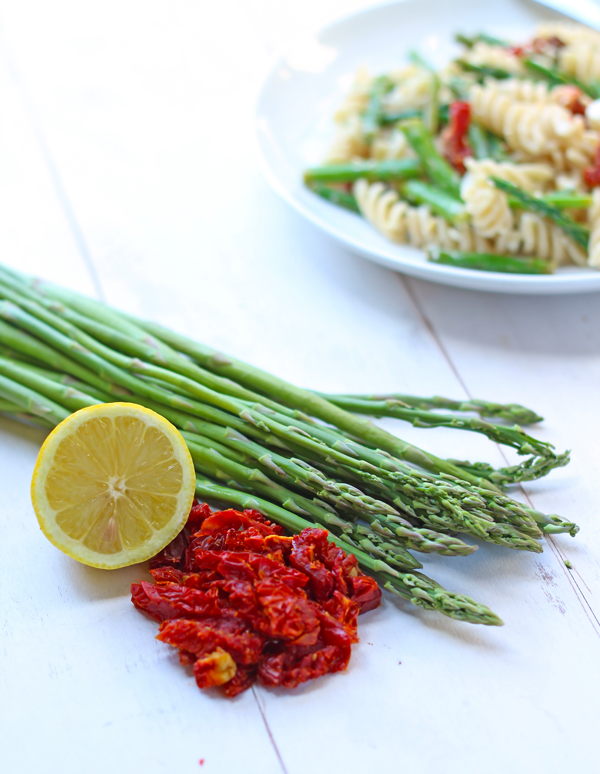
(483, 54)
(581, 60)
(538, 129)
(594, 221)
(541, 139)
(416, 226)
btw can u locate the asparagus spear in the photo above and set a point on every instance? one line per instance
(439, 201)
(476, 522)
(559, 78)
(387, 171)
(372, 115)
(578, 233)
(512, 412)
(417, 588)
(484, 71)
(431, 116)
(508, 436)
(563, 200)
(393, 118)
(242, 373)
(437, 168)
(507, 264)
(478, 140)
(335, 196)
(481, 37)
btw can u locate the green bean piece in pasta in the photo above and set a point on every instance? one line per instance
(564, 200)
(484, 71)
(335, 196)
(437, 168)
(478, 139)
(580, 234)
(506, 264)
(372, 116)
(386, 171)
(385, 119)
(481, 37)
(558, 78)
(439, 201)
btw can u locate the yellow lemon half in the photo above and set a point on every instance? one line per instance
(113, 484)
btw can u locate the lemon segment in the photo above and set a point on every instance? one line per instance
(113, 484)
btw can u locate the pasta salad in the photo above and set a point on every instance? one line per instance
(492, 162)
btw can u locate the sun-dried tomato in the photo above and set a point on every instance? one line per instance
(591, 174)
(241, 601)
(572, 98)
(455, 146)
(546, 46)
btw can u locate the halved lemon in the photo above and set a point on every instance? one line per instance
(113, 484)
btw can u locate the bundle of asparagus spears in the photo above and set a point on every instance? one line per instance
(300, 457)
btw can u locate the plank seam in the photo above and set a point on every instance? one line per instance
(269, 732)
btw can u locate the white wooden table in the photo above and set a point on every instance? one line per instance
(127, 171)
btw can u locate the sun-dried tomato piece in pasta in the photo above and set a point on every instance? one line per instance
(453, 138)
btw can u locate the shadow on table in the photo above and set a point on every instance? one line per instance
(94, 584)
(554, 325)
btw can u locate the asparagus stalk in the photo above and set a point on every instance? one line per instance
(578, 233)
(484, 71)
(481, 37)
(558, 78)
(210, 462)
(335, 196)
(509, 436)
(372, 115)
(512, 412)
(431, 115)
(478, 140)
(439, 201)
(235, 370)
(386, 171)
(437, 168)
(393, 118)
(506, 264)
(417, 588)
(477, 523)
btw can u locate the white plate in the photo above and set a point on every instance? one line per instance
(298, 98)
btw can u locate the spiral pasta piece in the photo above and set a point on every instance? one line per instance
(412, 89)
(349, 143)
(488, 206)
(356, 100)
(482, 54)
(416, 226)
(537, 129)
(582, 60)
(594, 221)
(568, 32)
(539, 237)
(391, 145)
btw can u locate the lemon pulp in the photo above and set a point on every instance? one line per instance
(113, 484)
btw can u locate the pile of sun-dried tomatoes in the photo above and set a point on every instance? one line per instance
(243, 602)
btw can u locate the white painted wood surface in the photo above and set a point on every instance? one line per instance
(127, 170)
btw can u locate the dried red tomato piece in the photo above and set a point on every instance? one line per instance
(170, 600)
(202, 637)
(455, 146)
(243, 602)
(572, 98)
(591, 174)
(547, 46)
